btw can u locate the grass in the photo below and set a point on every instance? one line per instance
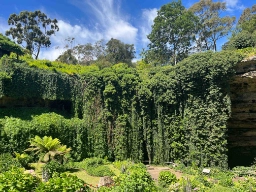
(82, 174)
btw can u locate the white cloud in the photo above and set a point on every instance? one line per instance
(110, 22)
(148, 16)
(233, 5)
(81, 34)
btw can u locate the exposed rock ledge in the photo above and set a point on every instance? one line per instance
(242, 124)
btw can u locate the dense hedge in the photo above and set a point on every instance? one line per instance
(160, 114)
(16, 133)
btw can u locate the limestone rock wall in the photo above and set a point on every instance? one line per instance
(242, 124)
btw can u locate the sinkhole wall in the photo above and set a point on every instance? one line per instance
(242, 124)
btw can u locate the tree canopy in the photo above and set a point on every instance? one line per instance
(172, 33)
(32, 28)
(213, 26)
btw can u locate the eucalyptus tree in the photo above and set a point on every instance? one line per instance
(247, 20)
(117, 51)
(172, 33)
(32, 28)
(213, 26)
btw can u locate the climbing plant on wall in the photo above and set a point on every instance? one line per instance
(171, 113)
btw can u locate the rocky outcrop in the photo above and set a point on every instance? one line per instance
(242, 124)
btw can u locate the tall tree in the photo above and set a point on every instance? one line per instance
(117, 51)
(213, 26)
(84, 53)
(247, 20)
(33, 28)
(172, 33)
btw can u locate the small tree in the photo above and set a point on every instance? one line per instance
(33, 28)
(48, 148)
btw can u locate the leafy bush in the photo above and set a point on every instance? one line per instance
(242, 40)
(7, 161)
(95, 167)
(15, 180)
(123, 165)
(136, 179)
(224, 177)
(100, 171)
(244, 171)
(247, 184)
(64, 182)
(166, 178)
(23, 159)
(93, 162)
(53, 167)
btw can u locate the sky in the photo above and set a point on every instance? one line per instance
(89, 21)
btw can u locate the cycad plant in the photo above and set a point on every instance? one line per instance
(48, 148)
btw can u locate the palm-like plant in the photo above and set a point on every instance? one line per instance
(48, 148)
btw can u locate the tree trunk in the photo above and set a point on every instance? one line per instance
(38, 51)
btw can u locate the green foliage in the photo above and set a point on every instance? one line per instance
(95, 167)
(100, 171)
(247, 184)
(172, 33)
(48, 148)
(23, 159)
(67, 57)
(33, 29)
(16, 133)
(135, 179)
(166, 178)
(64, 182)
(118, 52)
(212, 26)
(53, 167)
(15, 180)
(123, 165)
(241, 40)
(7, 162)
(159, 114)
(223, 177)
(7, 46)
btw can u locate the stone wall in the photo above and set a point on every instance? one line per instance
(242, 124)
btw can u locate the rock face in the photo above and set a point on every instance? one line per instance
(242, 124)
(105, 181)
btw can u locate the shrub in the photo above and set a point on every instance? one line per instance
(166, 178)
(64, 182)
(248, 184)
(7, 162)
(53, 167)
(15, 180)
(23, 159)
(100, 171)
(93, 162)
(123, 165)
(136, 179)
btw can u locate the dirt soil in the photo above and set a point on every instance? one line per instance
(155, 170)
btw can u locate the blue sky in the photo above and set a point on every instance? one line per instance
(91, 20)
